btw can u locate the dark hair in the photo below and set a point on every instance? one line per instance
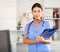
(37, 5)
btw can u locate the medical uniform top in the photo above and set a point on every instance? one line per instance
(36, 31)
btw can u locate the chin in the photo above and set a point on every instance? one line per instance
(37, 17)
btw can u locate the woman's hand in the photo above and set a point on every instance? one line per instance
(39, 39)
(42, 39)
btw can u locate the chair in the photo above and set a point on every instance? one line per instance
(5, 45)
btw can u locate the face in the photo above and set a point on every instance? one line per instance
(37, 12)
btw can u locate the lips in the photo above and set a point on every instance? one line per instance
(36, 16)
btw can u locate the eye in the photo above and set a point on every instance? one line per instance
(34, 11)
(38, 10)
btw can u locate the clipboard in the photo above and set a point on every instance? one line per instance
(48, 32)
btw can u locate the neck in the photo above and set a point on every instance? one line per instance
(36, 21)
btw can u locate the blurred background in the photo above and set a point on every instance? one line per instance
(15, 14)
(51, 13)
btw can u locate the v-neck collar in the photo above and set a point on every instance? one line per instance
(37, 24)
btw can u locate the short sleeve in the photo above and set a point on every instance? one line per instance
(25, 30)
(47, 25)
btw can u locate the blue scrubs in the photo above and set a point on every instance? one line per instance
(36, 31)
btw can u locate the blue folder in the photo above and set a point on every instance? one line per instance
(48, 32)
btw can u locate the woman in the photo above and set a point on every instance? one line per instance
(33, 30)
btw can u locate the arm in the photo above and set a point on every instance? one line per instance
(27, 41)
(38, 39)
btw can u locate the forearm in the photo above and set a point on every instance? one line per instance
(44, 40)
(48, 41)
(27, 41)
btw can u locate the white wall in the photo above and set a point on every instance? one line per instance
(52, 3)
(8, 14)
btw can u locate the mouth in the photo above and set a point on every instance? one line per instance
(37, 17)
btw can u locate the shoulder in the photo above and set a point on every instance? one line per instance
(29, 23)
(46, 22)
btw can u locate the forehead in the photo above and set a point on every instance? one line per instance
(37, 8)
